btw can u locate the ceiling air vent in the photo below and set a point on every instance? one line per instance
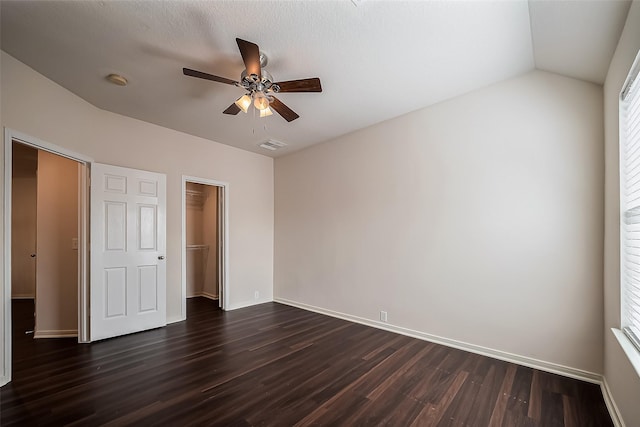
(272, 144)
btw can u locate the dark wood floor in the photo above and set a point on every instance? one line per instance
(274, 365)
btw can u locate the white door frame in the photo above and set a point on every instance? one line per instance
(83, 235)
(223, 286)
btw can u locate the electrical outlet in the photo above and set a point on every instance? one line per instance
(383, 316)
(256, 295)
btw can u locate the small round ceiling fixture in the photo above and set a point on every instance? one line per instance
(117, 79)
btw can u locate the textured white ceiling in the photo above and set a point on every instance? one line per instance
(376, 61)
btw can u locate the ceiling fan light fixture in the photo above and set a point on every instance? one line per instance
(266, 112)
(243, 102)
(261, 102)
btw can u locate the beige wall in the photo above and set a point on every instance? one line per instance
(38, 107)
(57, 260)
(620, 375)
(478, 220)
(23, 221)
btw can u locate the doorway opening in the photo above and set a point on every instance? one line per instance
(45, 244)
(44, 241)
(204, 248)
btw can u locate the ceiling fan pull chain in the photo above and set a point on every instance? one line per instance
(253, 122)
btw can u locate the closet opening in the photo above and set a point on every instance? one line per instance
(203, 251)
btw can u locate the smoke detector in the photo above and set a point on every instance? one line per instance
(117, 79)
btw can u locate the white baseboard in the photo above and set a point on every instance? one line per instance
(245, 304)
(242, 304)
(68, 333)
(616, 417)
(484, 351)
(209, 295)
(205, 295)
(23, 296)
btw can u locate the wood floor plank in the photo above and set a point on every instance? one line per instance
(535, 397)
(520, 399)
(276, 365)
(499, 409)
(398, 372)
(553, 415)
(432, 414)
(363, 379)
(487, 395)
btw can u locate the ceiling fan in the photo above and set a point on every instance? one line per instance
(259, 84)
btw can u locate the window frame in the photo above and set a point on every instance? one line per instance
(630, 93)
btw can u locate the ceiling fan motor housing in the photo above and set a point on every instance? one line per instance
(252, 83)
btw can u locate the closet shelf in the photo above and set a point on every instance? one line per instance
(195, 198)
(197, 247)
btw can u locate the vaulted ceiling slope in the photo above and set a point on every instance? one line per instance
(376, 59)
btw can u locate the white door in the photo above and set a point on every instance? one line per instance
(128, 271)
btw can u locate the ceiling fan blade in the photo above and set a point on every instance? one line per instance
(232, 109)
(304, 85)
(251, 56)
(206, 76)
(287, 113)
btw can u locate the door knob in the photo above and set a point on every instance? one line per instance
(161, 257)
(32, 255)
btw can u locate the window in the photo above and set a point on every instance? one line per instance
(630, 204)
